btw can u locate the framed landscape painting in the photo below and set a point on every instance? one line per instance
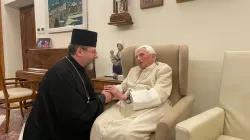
(64, 15)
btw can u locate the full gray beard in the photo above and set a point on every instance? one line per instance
(89, 66)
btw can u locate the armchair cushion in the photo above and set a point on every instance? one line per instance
(205, 126)
(16, 92)
(235, 94)
(224, 137)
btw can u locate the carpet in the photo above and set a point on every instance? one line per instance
(15, 126)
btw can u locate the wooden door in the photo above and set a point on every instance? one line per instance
(28, 31)
(1, 44)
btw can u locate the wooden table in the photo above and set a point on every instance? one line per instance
(31, 74)
(99, 82)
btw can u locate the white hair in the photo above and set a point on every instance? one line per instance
(148, 48)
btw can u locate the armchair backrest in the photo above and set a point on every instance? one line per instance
(176, 56)
(2, 84)
(235, 94)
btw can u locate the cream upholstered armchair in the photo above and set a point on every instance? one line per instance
(176, 56)
(230, 120)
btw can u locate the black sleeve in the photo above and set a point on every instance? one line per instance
(72, 110)
(102, 98)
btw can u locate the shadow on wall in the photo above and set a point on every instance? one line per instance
(204, 84)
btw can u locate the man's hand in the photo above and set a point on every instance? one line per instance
(111, 89)
(108, 96)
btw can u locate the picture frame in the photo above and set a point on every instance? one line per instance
(150, 3)
(43, 43)
(180, 1)
(64, 16)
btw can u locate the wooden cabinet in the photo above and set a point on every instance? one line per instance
(99, 82)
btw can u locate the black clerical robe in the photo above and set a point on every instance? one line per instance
(61, 110)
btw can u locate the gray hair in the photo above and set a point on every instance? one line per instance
(148, 48)
(72, 48)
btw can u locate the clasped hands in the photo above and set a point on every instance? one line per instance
(111, 91)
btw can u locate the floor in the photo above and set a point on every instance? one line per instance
(15, 127)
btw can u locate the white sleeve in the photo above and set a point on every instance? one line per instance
(145, 99)
(123, 86)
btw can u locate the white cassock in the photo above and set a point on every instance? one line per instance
(150, 89)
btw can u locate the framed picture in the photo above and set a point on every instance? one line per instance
(43, 43)
(151, 3)
(64, 15)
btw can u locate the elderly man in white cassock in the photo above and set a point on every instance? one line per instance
(143, 99)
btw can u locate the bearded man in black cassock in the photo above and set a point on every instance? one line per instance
(66, 104)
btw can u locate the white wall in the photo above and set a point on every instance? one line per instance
(11, 39)
(12, 35)
(209, 27)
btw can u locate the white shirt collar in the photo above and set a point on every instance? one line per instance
(150, 67)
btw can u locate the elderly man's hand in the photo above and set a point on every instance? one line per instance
(108, 96)
(111, 89)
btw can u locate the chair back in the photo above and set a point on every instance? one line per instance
(176, 56)
(235, 94)
(2, 84)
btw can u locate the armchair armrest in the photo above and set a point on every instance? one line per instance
(165, 129)
(20, 82)
(205, 126)
(13, 79)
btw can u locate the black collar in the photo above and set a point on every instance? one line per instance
(75, 63)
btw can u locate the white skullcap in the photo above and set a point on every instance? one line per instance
(148, 48)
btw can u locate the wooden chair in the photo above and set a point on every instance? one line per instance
(14, 94)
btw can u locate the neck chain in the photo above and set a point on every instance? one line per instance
(87, 94)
